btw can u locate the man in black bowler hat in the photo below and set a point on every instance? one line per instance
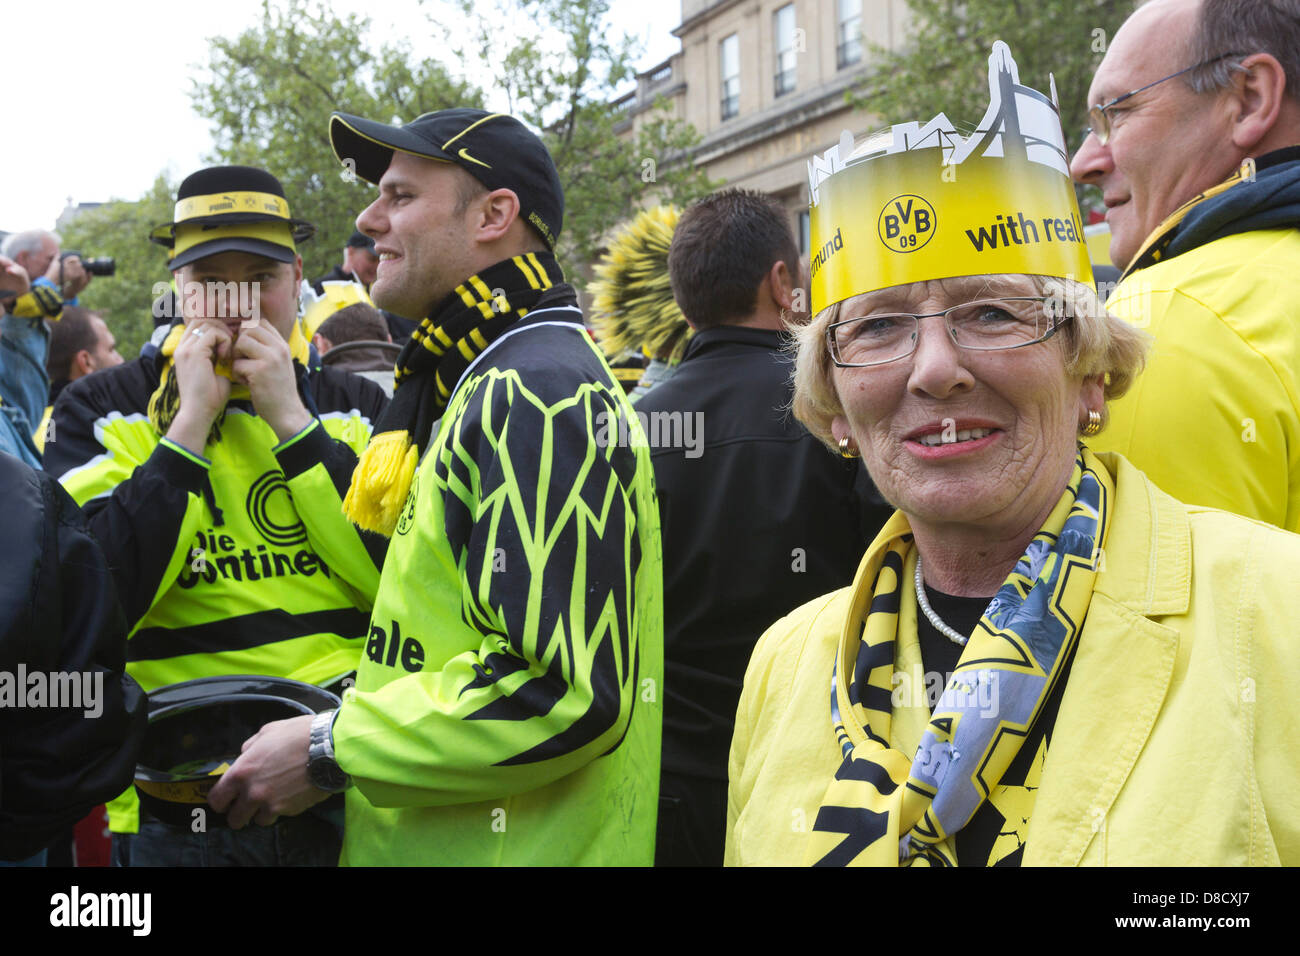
(212, 468)
(507, 706)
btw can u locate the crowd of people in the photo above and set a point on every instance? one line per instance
(954, 564)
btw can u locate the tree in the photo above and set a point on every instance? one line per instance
(558, 74)
(270, 92)
(271, 89)
(120, 229)
(943, 65)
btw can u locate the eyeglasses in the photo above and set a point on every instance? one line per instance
(1100, 120)
(988, 325)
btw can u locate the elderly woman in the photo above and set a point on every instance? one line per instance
(1043, 659)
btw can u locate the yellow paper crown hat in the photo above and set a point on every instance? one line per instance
(915, 203)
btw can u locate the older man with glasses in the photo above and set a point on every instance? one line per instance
(1194, 144)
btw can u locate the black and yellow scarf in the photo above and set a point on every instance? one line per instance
(888, 808)
(166, 399)
(438, 352)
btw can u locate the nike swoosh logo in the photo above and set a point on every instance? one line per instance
(468, 158)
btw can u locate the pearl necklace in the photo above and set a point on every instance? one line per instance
(935, 619)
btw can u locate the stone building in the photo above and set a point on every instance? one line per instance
(764, 82)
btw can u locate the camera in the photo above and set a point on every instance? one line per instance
(100, 266)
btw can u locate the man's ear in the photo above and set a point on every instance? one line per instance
(82, 363)
(781, 284)
(494, 214)
(1259, 93)
(322, 344)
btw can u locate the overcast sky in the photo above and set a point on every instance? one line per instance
(99, 99)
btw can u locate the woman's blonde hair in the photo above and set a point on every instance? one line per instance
(1095, 343)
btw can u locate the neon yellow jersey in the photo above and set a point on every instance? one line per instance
(507, 707)
(238, 561)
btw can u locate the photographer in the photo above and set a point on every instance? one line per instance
(17, 381)
(38, 252)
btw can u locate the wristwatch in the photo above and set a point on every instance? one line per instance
(322, 769)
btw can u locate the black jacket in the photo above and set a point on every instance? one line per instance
(758, 519)
(59, 614)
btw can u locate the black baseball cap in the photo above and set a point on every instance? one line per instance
(494, 148)
(359, 240)
(231, 208)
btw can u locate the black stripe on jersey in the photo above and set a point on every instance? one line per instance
(241, 633)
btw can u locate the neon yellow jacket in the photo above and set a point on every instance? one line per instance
(1215, 418)
(507, 707)
(1172, 745)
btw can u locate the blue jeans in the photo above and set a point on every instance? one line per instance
(37, 860)
(312, 839)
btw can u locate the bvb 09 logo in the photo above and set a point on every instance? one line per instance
(907, 223)
(407, 517)
(267, 510)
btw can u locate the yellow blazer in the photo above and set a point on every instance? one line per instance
(1178, 737)
(1215, 417)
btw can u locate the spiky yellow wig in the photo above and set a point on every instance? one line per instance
(633, 305)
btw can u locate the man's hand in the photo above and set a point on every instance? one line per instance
(263, 363)
(13, 282)
(203, 393)
(13, 278)
(269, 780)
(69, 275)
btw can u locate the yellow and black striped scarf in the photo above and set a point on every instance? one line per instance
(166, 399)
(888, 808)
(432, 361)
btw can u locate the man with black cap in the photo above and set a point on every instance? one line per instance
(506, 710)
(359, 264)
(212, 468)
(360, 261)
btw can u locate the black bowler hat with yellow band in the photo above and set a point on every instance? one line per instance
(231, 209)
(494, 148)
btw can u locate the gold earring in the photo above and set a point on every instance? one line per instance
(845, 451)
(1094, 423)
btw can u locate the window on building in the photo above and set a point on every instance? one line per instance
(848, 47)
(783, 28)
(730, 55)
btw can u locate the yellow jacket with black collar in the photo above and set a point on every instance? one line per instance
(1173, 744)
(1215, 417)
